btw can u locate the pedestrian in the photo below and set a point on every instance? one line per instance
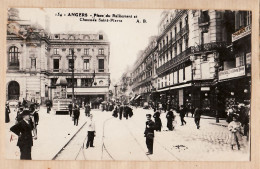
(7, 112)
(115, 112)
(149, 134)
(76, 114)
(197, 115)
(157, 120)
(182, 115)
(192, 111)
(170, 118)
(235, 132)
(23, 130)
(19, 116)
(70, 108)
(91, 131)
(24, 103)
(130, 111)
(35, 118)
(87, 109)
(121, 109)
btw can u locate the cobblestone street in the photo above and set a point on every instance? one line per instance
(124, 140)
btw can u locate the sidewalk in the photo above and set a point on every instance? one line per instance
(54, 131)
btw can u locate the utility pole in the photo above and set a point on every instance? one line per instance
(72, 67)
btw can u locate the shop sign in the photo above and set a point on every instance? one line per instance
(205, 88)
(202, 84)
(231, 73)
(241, 33)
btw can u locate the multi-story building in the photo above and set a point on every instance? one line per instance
(234, 75)
(124, 91)
(36, 59)
(196, 49)
(144, 72)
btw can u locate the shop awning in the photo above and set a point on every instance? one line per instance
(175, 87)
(88, 91)
(137, 97)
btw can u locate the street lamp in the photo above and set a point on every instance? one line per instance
(115, 90)
(72, 75)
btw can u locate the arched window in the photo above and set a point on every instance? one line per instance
(13, 56)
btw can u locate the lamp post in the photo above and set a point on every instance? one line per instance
(115, 91)
(72, 75)
(217, 115)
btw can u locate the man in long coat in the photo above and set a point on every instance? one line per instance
(23, 130)
(149, 134)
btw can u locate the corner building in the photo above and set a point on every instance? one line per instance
(37, 58)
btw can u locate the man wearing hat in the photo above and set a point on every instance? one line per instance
(149, 134)
(23, 129)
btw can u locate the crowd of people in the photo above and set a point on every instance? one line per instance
(122, 110)
(27, 120)
(237, 118)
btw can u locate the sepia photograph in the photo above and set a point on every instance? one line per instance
(128, 84)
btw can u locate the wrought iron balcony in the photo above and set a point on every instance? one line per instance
(208, 47)
(182, 57)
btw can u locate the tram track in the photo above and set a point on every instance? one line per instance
(104, 149)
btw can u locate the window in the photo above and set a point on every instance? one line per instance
(186, 43)
(180, 25)
(248, 18)
(183, 73)
(240, 19)
(69, 81)
(86, 64)
(87, 82)
(101, 65)
(13, 56)
(56, 65)
(101, 51)
(175, 31)
(204, 37)
(186, 20)
(33, 63)
(86, 51)
(56, 51)
(100, 37)
(70, 51)
(180, 47)
(53, 81)
(240, 60)
(175, 51)
(71, 64)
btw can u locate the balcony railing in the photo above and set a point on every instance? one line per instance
(182, 57)
(208, 47)
(173, 40)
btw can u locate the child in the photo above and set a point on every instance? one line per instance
(235, 132)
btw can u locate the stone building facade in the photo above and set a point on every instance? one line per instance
(196, 49)
(36, 59)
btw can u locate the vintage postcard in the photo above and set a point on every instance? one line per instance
(128, 84)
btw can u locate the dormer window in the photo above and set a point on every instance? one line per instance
(100, 37)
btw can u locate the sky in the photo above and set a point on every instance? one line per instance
(126, 38)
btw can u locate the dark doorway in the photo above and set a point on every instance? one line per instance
(13, 90)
